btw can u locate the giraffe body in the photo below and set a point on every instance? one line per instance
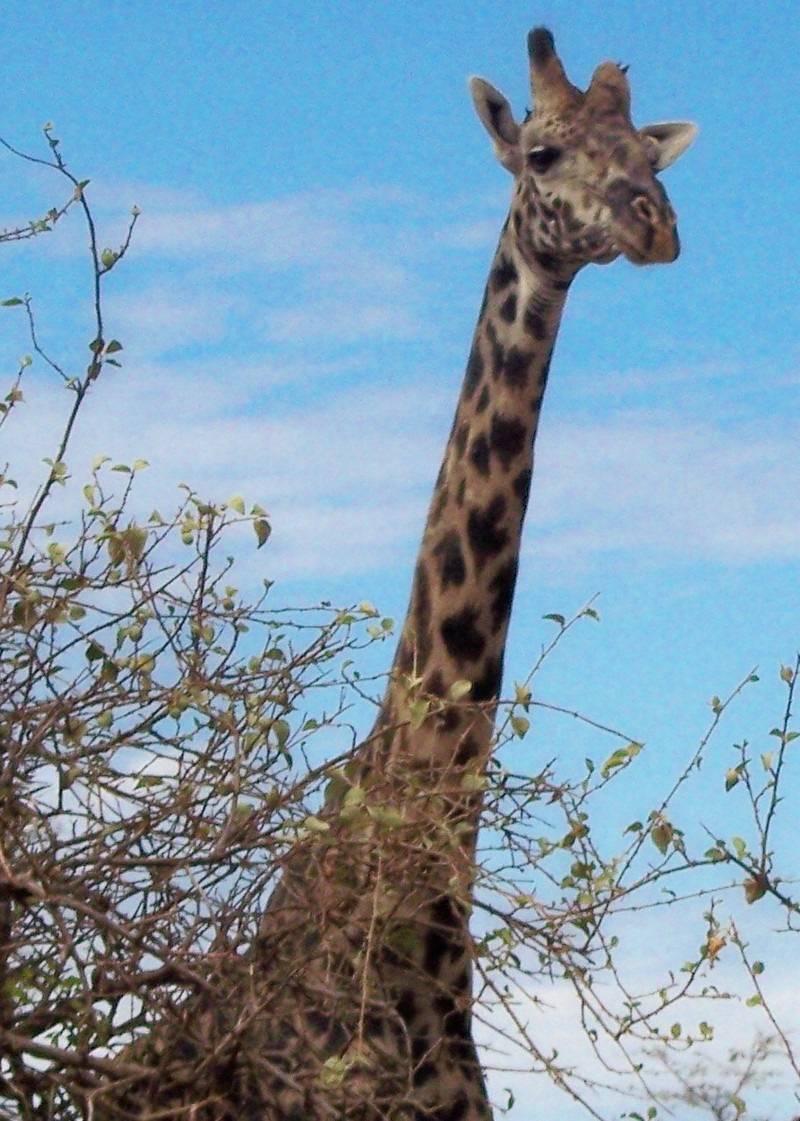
(355, 1002)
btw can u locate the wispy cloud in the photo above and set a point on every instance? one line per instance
(346, 478)
(170, 314)
(271, 350)
(342, 320)
(307, 230)
(660, 488)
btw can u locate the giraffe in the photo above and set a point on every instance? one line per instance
(355, 1002)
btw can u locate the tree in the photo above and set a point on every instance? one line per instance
(159, 731)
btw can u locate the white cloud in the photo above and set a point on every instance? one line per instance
(666, 490)
(344, 479)
(277, 312)
(479, 234)
(340, 321)
(169, 314)
(346, 473)
(334, 269)
(301, 230)
(273, 233)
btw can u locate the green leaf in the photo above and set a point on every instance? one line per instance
(520, 725)
(110, 671)
(282, 731)
(418, 709)
(661, 834)
(755, 888)
(116, 550)
(474, 782)
(12, 301)
(237, 504)
(23, 614)
(57, 553)
(134, 539)
(522, 694)
(553, 617)
(732, 778)
(355, 796)
(262, 531)
(459, 689)
(620, 758)
(388, 818)
(113, 346)
(334, 1071)
(316, 825)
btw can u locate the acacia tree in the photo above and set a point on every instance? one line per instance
(150, 716)
(156, 726)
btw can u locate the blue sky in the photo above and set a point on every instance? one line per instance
(320, 206)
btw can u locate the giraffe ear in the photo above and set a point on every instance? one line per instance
(667, 141)
(498, 120)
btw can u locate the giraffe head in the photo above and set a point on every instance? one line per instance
(586, 178)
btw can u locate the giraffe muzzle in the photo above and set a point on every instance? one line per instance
(650, 234)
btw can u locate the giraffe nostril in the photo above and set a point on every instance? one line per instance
(644, 209)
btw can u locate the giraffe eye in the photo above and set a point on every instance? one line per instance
(542, 157)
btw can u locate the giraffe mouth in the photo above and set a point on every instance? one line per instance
(633, 254)
(607, 254)
(655, 245)
(600, 248)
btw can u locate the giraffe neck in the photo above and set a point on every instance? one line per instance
(465, 576)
